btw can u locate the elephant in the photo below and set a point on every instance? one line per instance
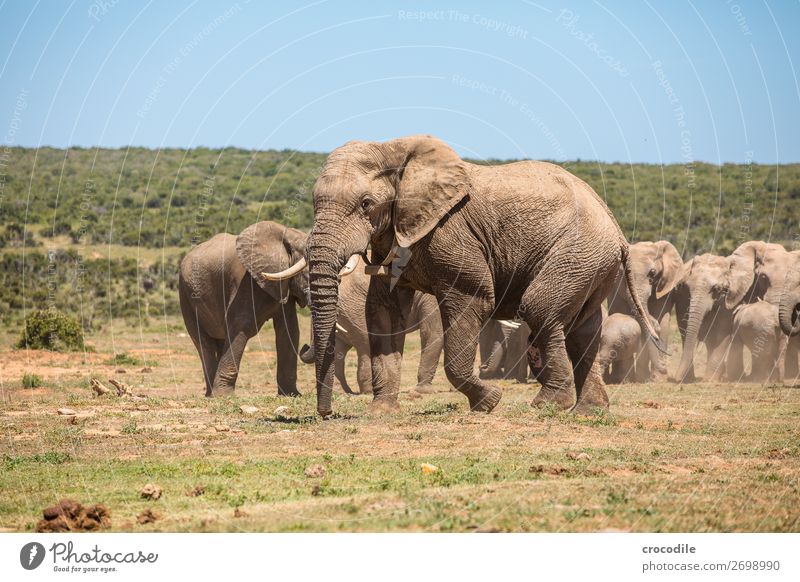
(229, 286)
(789, 314)
(526, 239)
(756, 327)
(504, 346)
(711, 288)
(657, 268)
(621, 353)
(352, 332)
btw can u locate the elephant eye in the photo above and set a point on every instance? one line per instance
(366, 203)
(651, 273)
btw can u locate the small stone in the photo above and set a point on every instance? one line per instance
(146, 370)
(120, 371)
(247, 409)
(281, 411)
(151, 491)
(147, 516)
(239, 513)
(222, 428)
(579, 456)
(427, 468)
(315, 471)
(66, 412)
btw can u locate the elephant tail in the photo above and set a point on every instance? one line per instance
(639, 312)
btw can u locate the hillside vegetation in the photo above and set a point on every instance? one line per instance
(101, 230)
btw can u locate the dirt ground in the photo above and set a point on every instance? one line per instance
(668, 457)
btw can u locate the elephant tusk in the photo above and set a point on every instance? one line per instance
(509, 324)
(350, 266)
(286, 273)
(339, 328)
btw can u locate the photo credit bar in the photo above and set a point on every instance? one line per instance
(353, 557)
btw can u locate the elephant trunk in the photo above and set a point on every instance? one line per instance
(325, 261)
(307, 352)
(789, 313)
(698, 308)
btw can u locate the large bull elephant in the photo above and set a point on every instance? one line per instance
(657, 268)
(526, 239)
(352, 332)
(229, 286)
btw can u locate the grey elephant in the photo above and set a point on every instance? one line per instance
(657, 268)
(757, 328)
(525, 239)
(352, 332)
(622, 354)
(789, 314)
(229, 286)
(503, 350)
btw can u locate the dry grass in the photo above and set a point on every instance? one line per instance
(697, 457)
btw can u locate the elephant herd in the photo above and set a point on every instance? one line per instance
(518, 258)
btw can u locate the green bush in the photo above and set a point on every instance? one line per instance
(31, 381)
(50, 329)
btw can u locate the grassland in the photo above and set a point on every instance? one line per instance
(695, 457)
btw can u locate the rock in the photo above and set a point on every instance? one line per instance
(239, 513)
(147, 516)
(197, 491)
(143, 408)
(222, 428)
(247, 409)
(427, 468)
(281, 411)
(66, 412)
(151, 491)
(651, 404)
(314, 471)
(120, 371)
(579, 456)
(98, 387)
(69, 515)
(122, 388)
(146, 370)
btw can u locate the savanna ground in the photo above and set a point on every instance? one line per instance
(699, 457)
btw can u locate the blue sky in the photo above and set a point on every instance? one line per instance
(659, 82)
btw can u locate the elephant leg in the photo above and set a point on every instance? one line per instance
(462, 318)
(228, 369)
(342, 347)
(364, 374)
(627, 370)
(791, 359)
(287, 341)
(718, 349)
(516, 363)
(205, 345)
(583, 344)
(735, 363)
(431, 343)
(492, 364)
(657, 359)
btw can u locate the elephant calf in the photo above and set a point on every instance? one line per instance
(623, 353)
(503, 350)
(756, 326)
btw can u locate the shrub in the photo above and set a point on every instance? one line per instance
(50, 329)
(31, 381)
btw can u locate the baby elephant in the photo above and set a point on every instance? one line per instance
(756, 326)
(624, 353)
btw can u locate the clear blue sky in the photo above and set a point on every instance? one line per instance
(659, 82)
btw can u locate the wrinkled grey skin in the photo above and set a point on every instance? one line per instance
(657, 269)
(352, 332)
(526, 239)
(225, 301)
(757, 328)
(503, 351)
(789, 314)
(622, 356)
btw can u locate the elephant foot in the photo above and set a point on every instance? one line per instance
(425, 389)
(484, 399)
(593, 401)
(381, 406)
(221, 391)
(292, 392)
(559, 397)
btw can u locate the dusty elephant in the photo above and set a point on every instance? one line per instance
(525, 239)
(229, 286)
(657, 268)
(757, 328)
(503, 350)
(622, 356)
(789, 313)
(352, 332)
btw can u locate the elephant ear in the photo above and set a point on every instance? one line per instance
(430, 180)
(741, 274)
(270, 247)
(671, 268)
